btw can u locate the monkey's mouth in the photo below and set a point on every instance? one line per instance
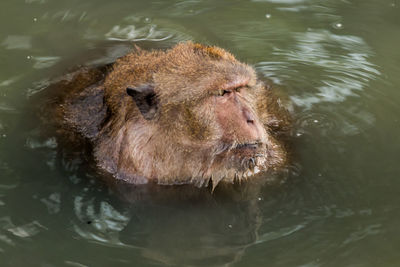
(248, 145)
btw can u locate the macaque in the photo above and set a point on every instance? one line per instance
(191, 114)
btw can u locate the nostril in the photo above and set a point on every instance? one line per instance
(248, 116)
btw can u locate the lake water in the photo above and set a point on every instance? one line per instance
(338, 203)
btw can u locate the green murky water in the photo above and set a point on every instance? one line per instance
(339, 63)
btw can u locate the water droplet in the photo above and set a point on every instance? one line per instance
(337, 25)
(268, 16)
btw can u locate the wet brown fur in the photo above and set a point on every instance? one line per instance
(183, 143)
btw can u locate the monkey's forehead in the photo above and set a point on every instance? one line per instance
(178, 91)
(198, 80)
(231, 82)
(192, 70)
(229, 78)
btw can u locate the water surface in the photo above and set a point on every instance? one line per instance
(338, 62)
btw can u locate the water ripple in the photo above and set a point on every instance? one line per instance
(8, 179)
(75, 264)
(35, 144)
(7, 108)
(99, 222)
(22, 231)
(361, 234)
(132, 33)
(140, 28)
(23, 42)
(312, 120)
(344, 71)
(27, 230)
(282, 1)
(266, 237)
(10, 81)
(45, 62)
(53, 202)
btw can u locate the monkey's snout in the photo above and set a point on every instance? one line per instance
(249, 117)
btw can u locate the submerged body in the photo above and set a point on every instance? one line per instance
(188, 115)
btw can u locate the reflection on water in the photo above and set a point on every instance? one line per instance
(130, 33)
(99, 221)
(330, 77)
(343, 72)
(180, 225)
(44, 62)
(335, 62)
(17, 42)
(27, 230)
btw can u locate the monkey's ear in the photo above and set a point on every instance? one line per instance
(145, 99)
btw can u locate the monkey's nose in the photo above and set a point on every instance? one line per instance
(248, 116)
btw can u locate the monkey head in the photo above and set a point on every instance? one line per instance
(191, 114)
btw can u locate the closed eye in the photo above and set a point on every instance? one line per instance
(238, 89)
(223, 92)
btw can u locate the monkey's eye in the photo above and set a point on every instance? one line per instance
(240, 88)
(223, 92)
